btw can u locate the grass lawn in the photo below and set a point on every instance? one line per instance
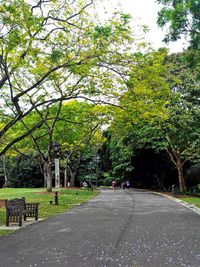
(192, 200)
(68, 198)
(5, 232)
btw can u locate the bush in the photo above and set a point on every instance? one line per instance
(22, 172)
(192, 177)
(107, 179)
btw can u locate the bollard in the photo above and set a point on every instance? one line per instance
(56, 198)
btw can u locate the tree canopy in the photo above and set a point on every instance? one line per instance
(52, 51)
(60, 65)
(183, 18)
(163, 115)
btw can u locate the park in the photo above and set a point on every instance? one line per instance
(99, 135)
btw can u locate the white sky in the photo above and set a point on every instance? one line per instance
(145, 12)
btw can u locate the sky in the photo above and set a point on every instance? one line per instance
(145, 12)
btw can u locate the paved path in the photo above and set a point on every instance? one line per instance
(121, 228)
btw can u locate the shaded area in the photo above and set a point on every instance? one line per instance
(153, 170)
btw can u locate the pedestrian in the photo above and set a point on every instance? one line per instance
(114, 184)
(123, 185)
(127, 184)
(85, 184)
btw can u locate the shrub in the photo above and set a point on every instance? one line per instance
(192, 177)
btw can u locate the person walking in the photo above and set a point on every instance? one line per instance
(123, 185)
(114, 184)
(127, 184)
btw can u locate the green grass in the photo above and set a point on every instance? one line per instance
(5, 232)
(192, 200)
(68, 198)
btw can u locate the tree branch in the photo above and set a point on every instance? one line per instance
(19, 138)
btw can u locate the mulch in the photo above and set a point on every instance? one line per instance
(2, 203)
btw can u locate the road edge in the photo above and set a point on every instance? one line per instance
(185, 204)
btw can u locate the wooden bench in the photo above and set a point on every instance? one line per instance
(17, 210)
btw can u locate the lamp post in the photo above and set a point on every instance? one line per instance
(56, 147)
(97, 159)
(66, 181)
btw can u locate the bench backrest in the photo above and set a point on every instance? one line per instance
(16, 202)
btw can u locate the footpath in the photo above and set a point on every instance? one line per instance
(117, 228)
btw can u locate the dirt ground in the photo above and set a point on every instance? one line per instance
(2, 203)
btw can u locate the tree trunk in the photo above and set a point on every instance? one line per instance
(65, 178)
(158, 181)
(45, 174)
(175, 156)
(73, 172)
(162, 180)
(72, 180)
(181, 180)
(5, 173)
(49, 177)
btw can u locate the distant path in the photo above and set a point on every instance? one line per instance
(121, 228)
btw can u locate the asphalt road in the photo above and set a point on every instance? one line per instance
(116, 228)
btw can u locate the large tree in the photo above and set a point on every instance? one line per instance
(75, 125)
(56, 50)
(160, 119)
(181, 130)
(144, 102)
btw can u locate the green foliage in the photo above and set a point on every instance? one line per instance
(142, 106)
(181, 78)
(183, 122)
(182, 18)
(147, 93)
(180, 129)
(74, 57)
(121, 154)
(56, 55)
(22, 171)
(193, 175)
(108, 178)
(101, 31)
(152, 116)
(77, 128)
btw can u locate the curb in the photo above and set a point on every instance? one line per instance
(187, 205)
(14, 226)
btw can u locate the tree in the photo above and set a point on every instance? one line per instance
(52, 51)
(159, 119)
(179, 134)
(144, 102)
(79, 131)
(181, 130)
(183, 19)
(75, 125)
(7, 164)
